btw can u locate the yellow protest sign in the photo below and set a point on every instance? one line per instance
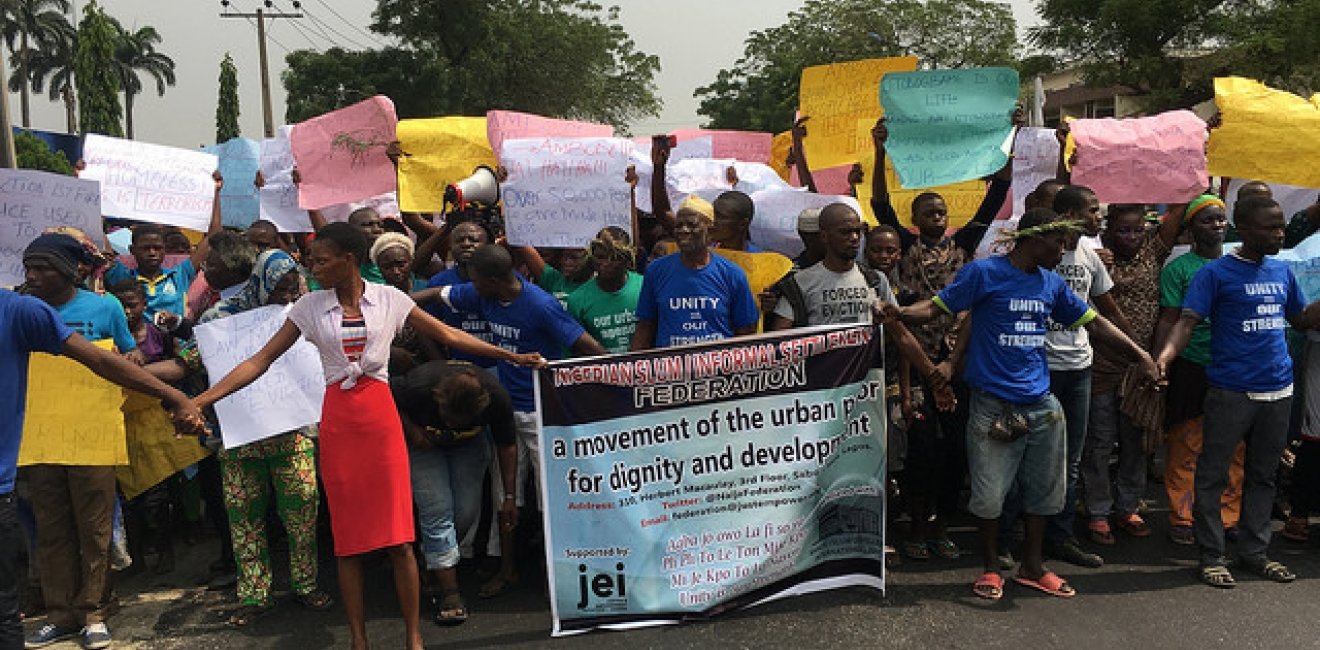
(153, 452)
(438, 151)
(73, 416)
(835, 97)
(963, 199)
(779, 147)
(1266, 134)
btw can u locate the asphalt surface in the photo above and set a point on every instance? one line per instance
(1146, 595)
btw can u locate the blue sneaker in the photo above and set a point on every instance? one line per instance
(96, 636)
(48, 634)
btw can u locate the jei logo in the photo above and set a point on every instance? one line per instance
(611, 588)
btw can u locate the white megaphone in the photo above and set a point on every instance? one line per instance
(480, 187)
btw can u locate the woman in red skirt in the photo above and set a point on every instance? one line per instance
(364, 459)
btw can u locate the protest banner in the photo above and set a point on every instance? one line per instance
(745, 146)
(694, 149)
(1035, 160)
(279, 195)
(287, 397)
(512, 125)
(835, 96)
(1304, 260)
(774, 227)
(436, 152)
(240, 158)
(1157, 159)
(341, 154)
(150, 182)
(30, 202)
(1264, 133)
(154, 453)
(1291, 199)
(685, 482)
(562, 191)
(831, 180)
(73, 416)
(962, 199)
(947, 126)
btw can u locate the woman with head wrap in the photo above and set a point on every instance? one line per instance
(282, 467)
(607, 305)
(392, 253)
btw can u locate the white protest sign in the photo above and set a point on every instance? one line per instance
(151, 182)
(562, 191)
(31, 201)
(279, 196)
(774, 227)
(287, 397)
(1035, 159)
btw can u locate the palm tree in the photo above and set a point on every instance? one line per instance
(58, 65)
(136, 52)
(31, 26)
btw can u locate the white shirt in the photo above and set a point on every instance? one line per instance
(1070, 349)
(319, 317)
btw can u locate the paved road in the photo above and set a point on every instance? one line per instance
(1145, 596)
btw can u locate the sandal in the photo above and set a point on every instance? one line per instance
(1182, 535)
(989, 586)
(1217, 575)
(943, 548)
(451, 610)
(497, 586)
(248, 614)
(1133, 524)
(1049, 583)
(1297, 529)
(916, 551)
(1099, 532)
(1272, 570)
(316, 600)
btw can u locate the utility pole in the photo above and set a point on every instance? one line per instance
(261, 17)
(8, 159)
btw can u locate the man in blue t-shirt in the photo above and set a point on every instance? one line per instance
(693, 295)
(464, 239)
(1015, 431)
(1250, 301)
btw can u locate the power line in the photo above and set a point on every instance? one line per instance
(371, 37)
(341, 35)
(307, 38)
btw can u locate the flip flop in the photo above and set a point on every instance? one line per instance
(989, 585)
(451, 610)
(1048, 583)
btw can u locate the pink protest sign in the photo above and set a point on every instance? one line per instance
(341, 155)
(831, 180)
(511, 125)
(1158, 159)
(745, 146)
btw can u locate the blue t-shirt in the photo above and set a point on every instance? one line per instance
(97, 318)
(694, 305)
(29, 325)
(471, 322)
(1006, 353)
(1248, 305)
(533, 322)
(166, 293)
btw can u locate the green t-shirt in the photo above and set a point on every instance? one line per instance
(610, 318)
(557, 285)
(1174, 280)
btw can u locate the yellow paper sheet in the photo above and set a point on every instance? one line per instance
(963, 199)
(835, 96)
(153, 452)
(779, 147)
(73, 416)
(1266, 135)
(438, 151)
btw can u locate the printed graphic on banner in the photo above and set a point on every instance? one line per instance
(562, 191)
(686, 482)
(53, 433)
(151, 182)
(239, 160)
(32, 201)
(835, 96)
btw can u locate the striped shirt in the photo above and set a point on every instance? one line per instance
(354, 337)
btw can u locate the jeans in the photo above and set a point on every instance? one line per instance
(446, 485)
(11, 544)
(1231, 418)
(1072, 389)
(1031, 466)
(1108, 426)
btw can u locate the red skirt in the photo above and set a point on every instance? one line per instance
(364, 465)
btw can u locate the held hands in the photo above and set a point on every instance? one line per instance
(187, 419)
(885, 313)
(1152, 374)
(945, 400)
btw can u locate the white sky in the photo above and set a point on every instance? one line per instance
(693, 38)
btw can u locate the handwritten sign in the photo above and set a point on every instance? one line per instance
(746, 146)
(1265, 134)
(279, 196)
(437, 152)
(55, 434)
(775, 225)
(31, 201)
(835, 96)
(512, 125)
(287, 397)
(962, 199)
(562, 191)
(1157, 159)
(150, 182)
(154, 454)
(341, 155)
(947, 126)
(239, 160)
(1035, 160)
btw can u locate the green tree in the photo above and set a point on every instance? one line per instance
(97, 73)
(30, 28)
(319, 82)
(1274, 42)
(33, 153)
(760, 92)
(57, 64)
(136, 52)
(226, 108)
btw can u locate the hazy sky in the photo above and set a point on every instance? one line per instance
(693, 38)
